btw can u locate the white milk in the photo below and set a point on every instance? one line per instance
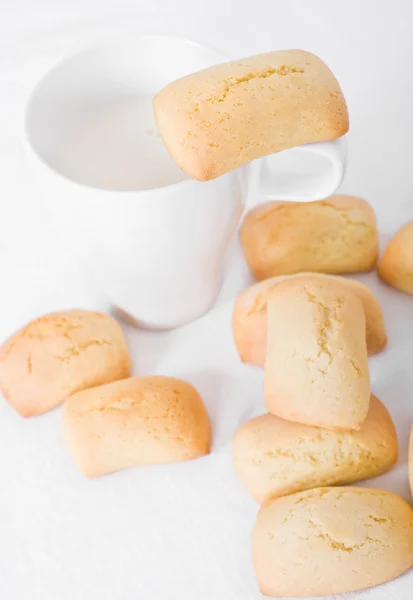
(116, 146)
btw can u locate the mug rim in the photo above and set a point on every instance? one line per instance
(83, 49)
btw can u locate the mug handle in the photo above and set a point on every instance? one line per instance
(272, 183)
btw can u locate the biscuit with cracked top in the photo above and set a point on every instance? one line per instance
(218, 119)
(396, 265)
(336, 235)
(316, 368)
(135, 422)
(58, 354)
(249, 317)
(275, 457)
(331, 541)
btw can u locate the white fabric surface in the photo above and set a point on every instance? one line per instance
(181, 532)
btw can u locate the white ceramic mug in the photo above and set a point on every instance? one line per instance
(154, 240)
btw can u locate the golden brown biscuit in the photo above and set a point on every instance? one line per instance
(337, 235)
(396, 264)
(59, 354)
(223, 117)
(331, 541)
(274, 457)
(316, 368)
(249, 318)
(134, 422)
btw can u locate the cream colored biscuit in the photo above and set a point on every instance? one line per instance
(337, 235)
(411, 460)
(134, 422)
(316, 368)
(226, 116)
(274, 457)
(396, 264)
(331, 541)
(249, 317)
(59, 354)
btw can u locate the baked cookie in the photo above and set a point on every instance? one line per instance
(331, 541)
(134, 422)
(249, 317)
(226, 116)
(59, 354)
(396, 264)
(337, 235)
(275, 457)
(316, 369)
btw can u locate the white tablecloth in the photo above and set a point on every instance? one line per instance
(181, 532)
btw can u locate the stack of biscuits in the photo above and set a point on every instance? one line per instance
(312, 332)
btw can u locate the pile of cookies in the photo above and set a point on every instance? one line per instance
(311, 329)
(312, 332)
